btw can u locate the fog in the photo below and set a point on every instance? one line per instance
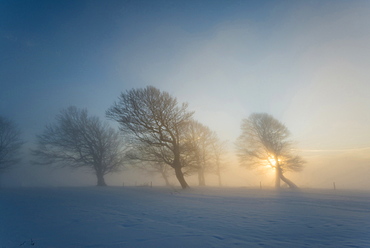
(305, 63)
(347, 169)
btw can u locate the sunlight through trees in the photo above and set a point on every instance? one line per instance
(265, 142)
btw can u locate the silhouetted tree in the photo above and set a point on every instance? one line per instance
(264, 142)
(78, 140)
(199, 141)
(152, 119)
(10, 144)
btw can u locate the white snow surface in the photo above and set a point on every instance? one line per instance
(168, 217)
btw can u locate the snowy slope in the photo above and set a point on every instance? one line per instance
(163, 217)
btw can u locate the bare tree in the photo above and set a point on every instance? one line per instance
(265, 142)
(153, 119)
(199, 141)
(78, 140)
(10, 144)
(218, 152)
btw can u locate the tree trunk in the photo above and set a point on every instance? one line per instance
(219, 174)
(165, 178)
(219, 179)
(180, 177)
(177, 167)
(277, 176)
(287, 181)
(202, 181)
(101, 181)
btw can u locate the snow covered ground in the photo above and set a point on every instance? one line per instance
(199, 217)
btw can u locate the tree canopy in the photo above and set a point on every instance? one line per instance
(79, 140)
(154, 122)
(199, 144)
(264, 141)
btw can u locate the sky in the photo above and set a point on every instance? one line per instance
(304, 62)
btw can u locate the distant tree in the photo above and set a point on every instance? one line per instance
(264, 142)
(10, 144)
(152, 119)
(163, 169)
(199, 141)
(218, 152)
(142, 158)
(79, 140)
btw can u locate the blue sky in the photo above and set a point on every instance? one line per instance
(304, 62)
(85, 52)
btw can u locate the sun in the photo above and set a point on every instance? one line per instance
(271, 161)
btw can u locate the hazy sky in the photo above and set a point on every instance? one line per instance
(305, 62)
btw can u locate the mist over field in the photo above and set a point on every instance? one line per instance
(305, 63)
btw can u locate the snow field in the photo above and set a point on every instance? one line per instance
(198, 217)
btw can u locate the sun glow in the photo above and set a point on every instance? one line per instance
(268, 169)
(268, 164)
(271, 161)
